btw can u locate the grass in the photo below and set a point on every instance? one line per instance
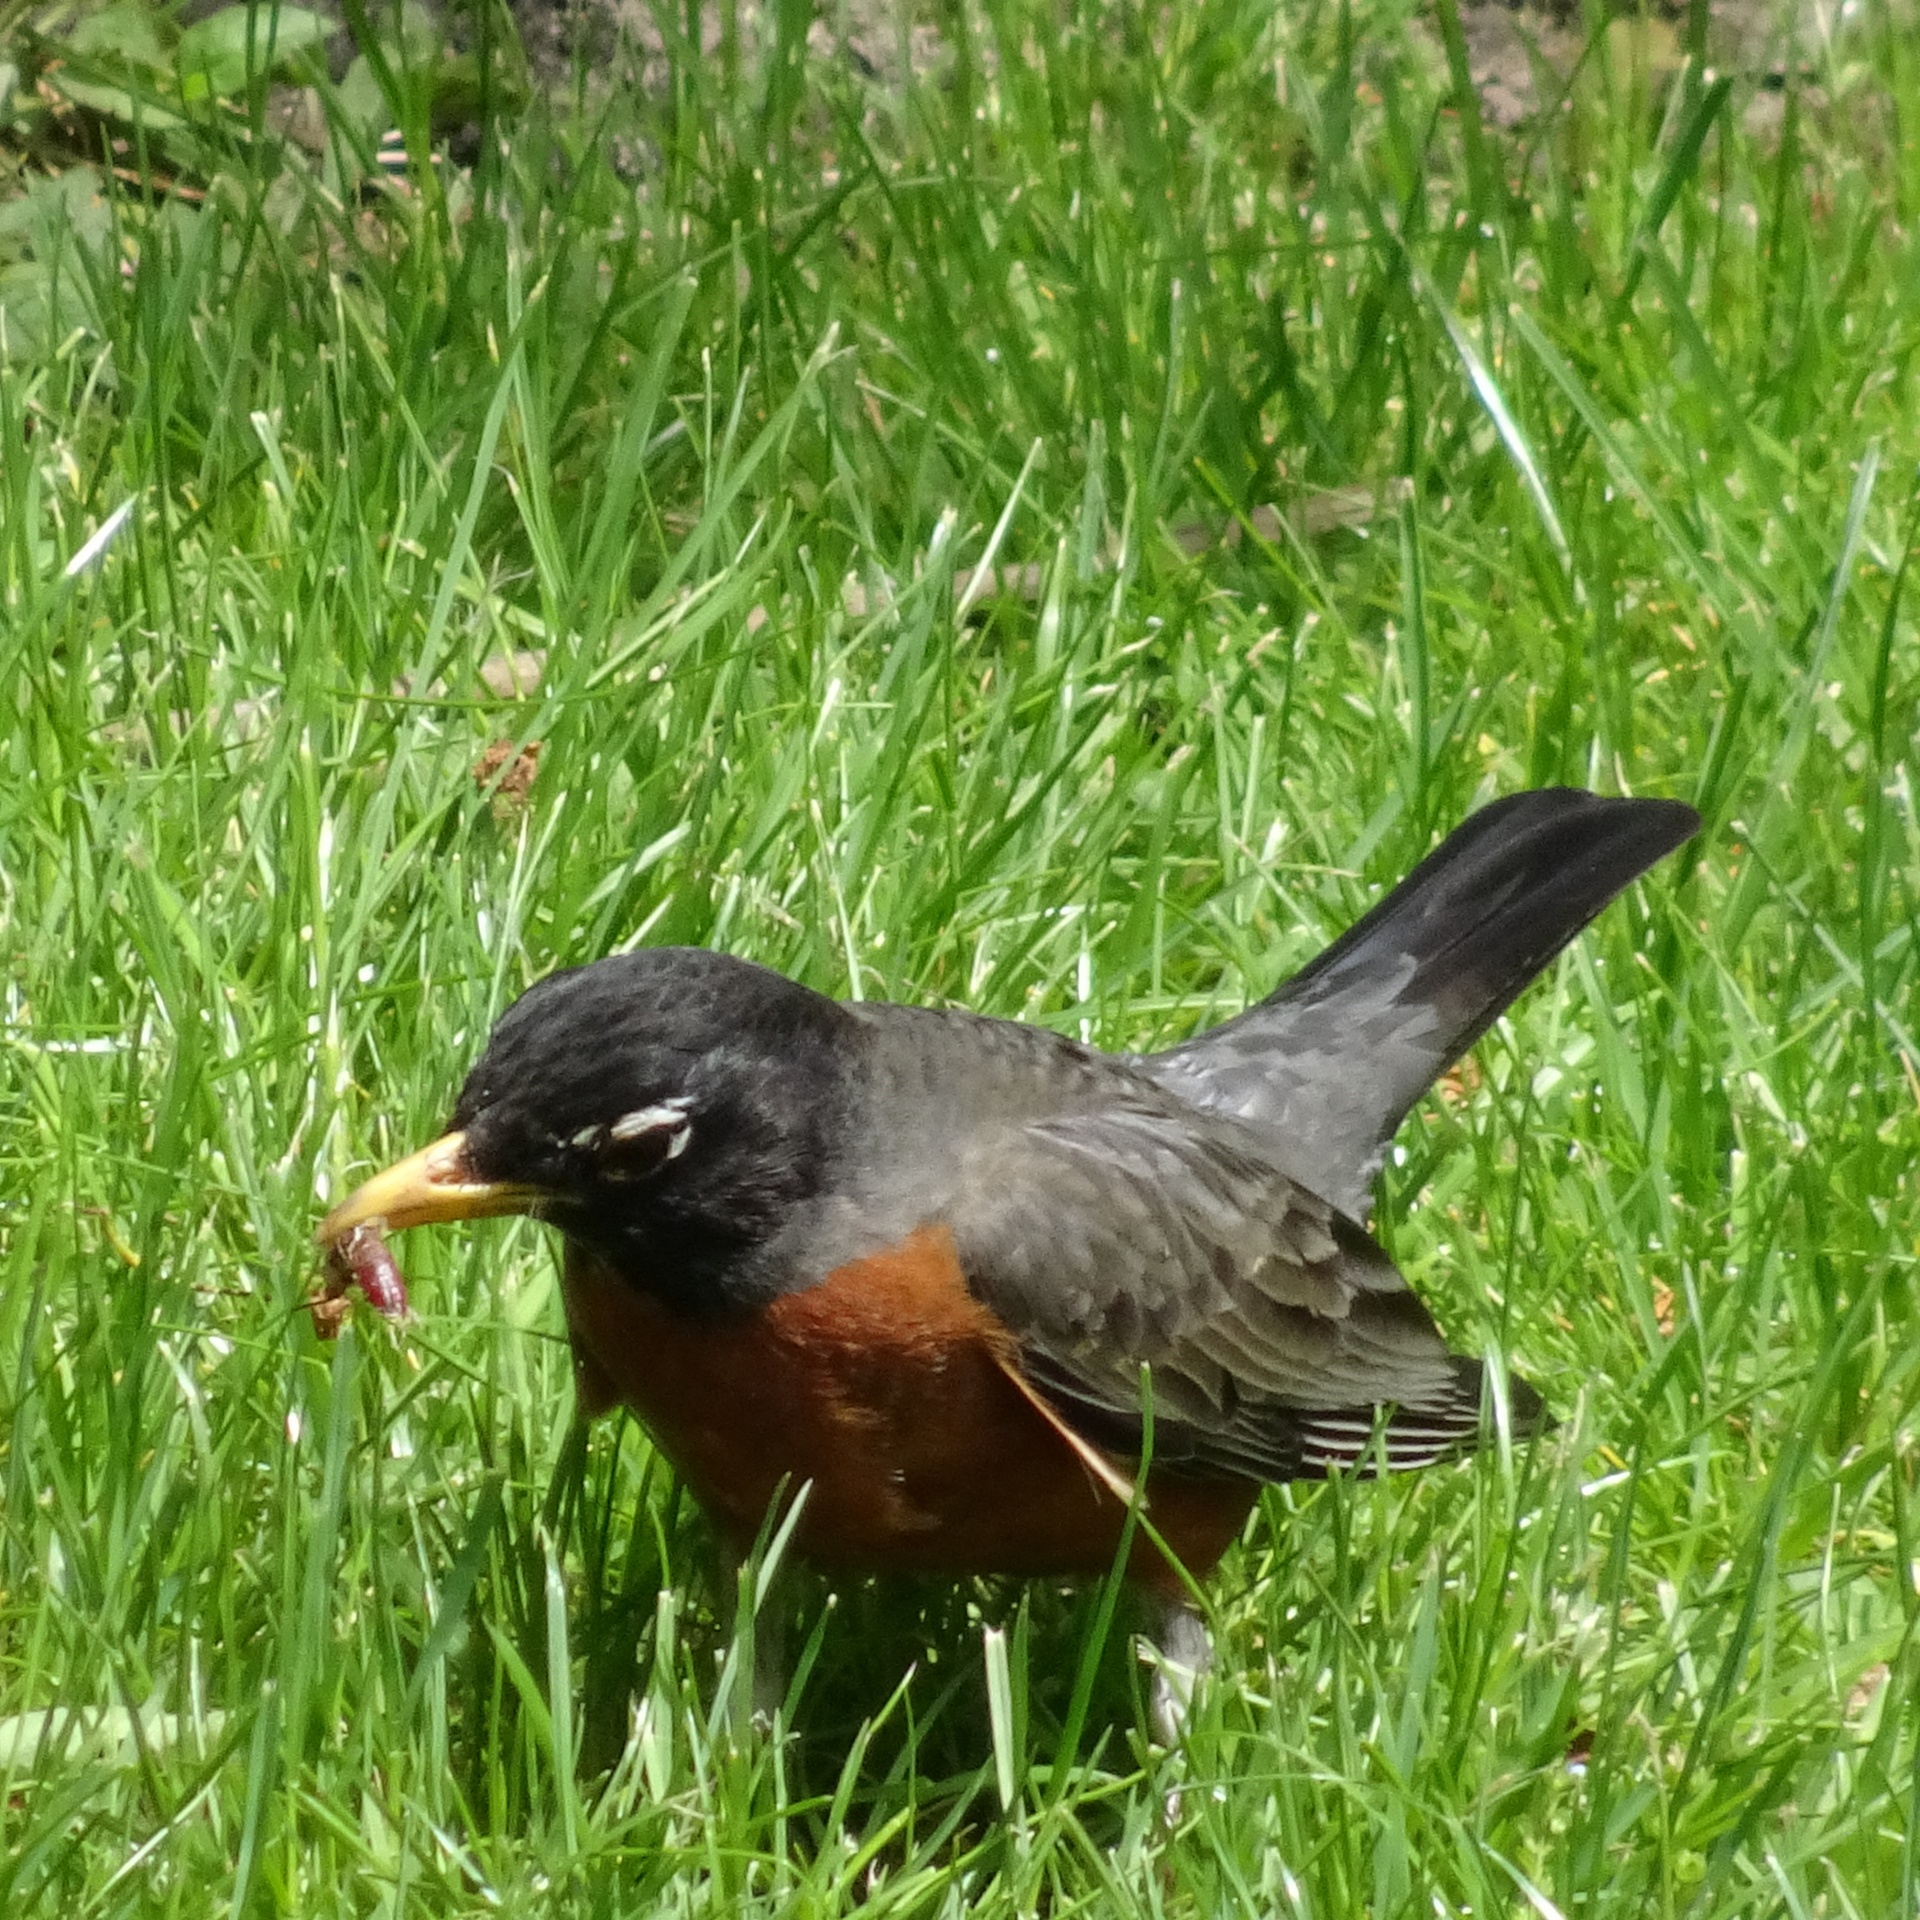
(1054, 534)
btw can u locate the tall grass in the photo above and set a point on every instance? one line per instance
(1055, 533)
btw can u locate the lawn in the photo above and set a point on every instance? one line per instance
(1050, 514)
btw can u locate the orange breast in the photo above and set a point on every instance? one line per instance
(886, 1387)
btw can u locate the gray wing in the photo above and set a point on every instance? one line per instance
(1275, 1329)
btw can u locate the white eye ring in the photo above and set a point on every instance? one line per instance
(669, 1117)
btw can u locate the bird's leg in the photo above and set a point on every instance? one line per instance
(769, 1660)
(1181, 1653)
(758, 1635)
(759, 1624)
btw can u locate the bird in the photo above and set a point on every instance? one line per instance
(983, 1291)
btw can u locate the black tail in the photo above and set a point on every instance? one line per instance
(1335, 1057)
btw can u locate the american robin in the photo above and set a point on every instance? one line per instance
(916, 1261)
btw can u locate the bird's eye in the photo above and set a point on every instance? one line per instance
(640, 1143)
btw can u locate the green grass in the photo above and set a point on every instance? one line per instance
(377, 1627)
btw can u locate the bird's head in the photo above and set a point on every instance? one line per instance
(666, 1108)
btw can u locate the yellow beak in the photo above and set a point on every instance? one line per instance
(432, 1185)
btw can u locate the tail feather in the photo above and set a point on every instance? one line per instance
(1334, 1058)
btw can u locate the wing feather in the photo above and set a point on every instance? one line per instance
(1282, 1341)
